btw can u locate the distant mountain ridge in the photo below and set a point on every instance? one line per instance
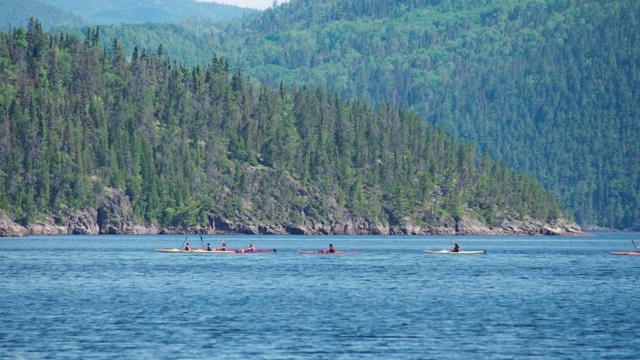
(107, 12)
(14, 14)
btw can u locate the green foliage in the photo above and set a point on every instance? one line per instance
(549, 86)
(52, 13)
(184, 142)
(14, 14)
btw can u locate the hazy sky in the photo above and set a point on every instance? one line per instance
(254, 4)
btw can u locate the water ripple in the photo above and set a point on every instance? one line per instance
(564, 298)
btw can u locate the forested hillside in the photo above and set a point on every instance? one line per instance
(550, 86)
(185, 143)
(50, 13)
(15, 14)
(99, 12)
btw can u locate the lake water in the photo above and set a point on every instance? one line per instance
(98, 297)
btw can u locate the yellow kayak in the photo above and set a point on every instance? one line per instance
(198, 251)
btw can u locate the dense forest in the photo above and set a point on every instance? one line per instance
(184, 142)
(550, 86)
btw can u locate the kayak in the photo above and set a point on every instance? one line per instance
(216, 251)
(630, 253)
(325, 252)
(199, 251)
(461, 252)
(245, 251)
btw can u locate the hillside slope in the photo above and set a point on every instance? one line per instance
(14, 14)
(91, 138)
(52, 13)
(551, 86)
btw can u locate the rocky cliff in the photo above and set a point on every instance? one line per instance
(114, 216)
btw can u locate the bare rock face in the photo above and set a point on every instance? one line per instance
(46, 229)
(8, 227)
(47, 226)
(531, 227)
(115, 214)
(469, 226)
(73, 222)
(272, 229)
(81, 222)
(562, 228)
(142, 230)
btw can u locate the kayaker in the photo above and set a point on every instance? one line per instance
(208, 247)
(251, 247)
(223, 246)
(456, 247)
(331, 248)
(187, 247)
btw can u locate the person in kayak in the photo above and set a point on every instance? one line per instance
(251, 247)
(208, 247)
(331, 249)
(223, 246)
(187, 247)
(455, 248)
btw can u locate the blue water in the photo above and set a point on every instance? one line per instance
(96, 297)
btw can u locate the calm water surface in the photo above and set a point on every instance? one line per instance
(96, 297)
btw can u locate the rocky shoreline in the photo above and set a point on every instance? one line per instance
(86, 222)
(114, 217)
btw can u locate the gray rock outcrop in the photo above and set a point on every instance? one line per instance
(115, 216)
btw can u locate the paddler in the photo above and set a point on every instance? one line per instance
(251, 247)
(331, 249)
(208, 247)
(187, 247)
(456, 247)
(223, 246)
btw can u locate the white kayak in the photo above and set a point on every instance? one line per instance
(461, 252)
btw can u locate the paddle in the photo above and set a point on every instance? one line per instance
(184, 242)
(634, 245)
(202, 242)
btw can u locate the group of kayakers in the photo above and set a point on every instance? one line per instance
(223, 247)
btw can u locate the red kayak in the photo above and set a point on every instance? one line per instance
(243, 251)
(326, 252)
(629, 253)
